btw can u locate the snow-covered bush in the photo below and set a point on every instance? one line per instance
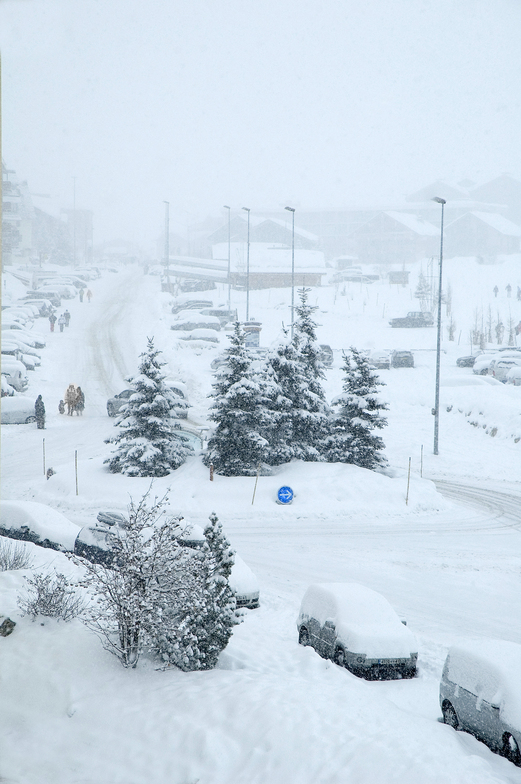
(13, 556)
(52, 596)
(359, 413)
(147, 441)
(160, 595)
(237, 445)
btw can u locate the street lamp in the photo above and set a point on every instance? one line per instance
(441, 201)
(167, 243)
(229, 254)
(292, 210)
(247, 209)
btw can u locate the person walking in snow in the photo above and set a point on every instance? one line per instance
(89, 295)
(39, 412)
(61, 322)
(67, 317)
(80, 401)
(495, 290)
(61, 407)
(81, 294)
(52, 321)
(508, 288)
(70, 398)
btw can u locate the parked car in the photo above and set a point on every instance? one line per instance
(44, 306)
(381, 360)
(223, 314)
(15, 373)
(480, 692)
(186, 321)
(206, 335)
(115, 403)
(32, 338)
(17, 410)
(485, 361)
(190, 303)
(50, 296)
(514, 376)
(415, 318)
(326, 355)
(11, 350)
(31, 521)
(402, 359)
(6, 389)
(358, 629)
(467, 361)
(500, 366)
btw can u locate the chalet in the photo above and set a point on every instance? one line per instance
(392, 237)
(482, 233)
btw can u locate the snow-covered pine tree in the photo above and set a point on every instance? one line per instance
(423, 291)
(310, 412)
(236, 447)
(284, 375)
(195, 634)
(147, 442)
(352, 439)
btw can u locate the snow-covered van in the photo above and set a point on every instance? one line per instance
(358, 629)
(15, 373)
(480, 692)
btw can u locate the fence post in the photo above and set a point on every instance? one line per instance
(211, 472)
(43, 447)
(76, 468)
(408, 481)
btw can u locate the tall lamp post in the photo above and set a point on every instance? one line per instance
(441, 201)
(229, 253)
(247, 209)
(292, 210)
(167, 243)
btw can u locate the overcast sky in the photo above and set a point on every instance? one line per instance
(258, 103)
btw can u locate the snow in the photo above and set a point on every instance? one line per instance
(42, 520)
(274, 711)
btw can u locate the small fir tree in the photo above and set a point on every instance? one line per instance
(237, 446)
(352, 439)
(282, 371)
(423, 291)
(147, 441)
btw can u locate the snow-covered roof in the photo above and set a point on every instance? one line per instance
(499, 223)
(413, 223)
(256, 220)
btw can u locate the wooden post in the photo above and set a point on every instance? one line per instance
(211, 472)
(408, 481)
(256, 480)
(43, 447)
(76, 468)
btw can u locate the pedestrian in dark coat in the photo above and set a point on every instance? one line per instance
(67, 317)
(496, 291)
(509, 290)
(61, 322)
(80, 401)
(52, 321)
(61, 407)
(39, 412)
(70, 398)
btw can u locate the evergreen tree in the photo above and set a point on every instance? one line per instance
(423, 291)
(147, 442)
(310, 413)
(237, 446)
(352, 439)
(194, 635)
(282, 372)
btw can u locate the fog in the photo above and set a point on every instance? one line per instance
(202, 103)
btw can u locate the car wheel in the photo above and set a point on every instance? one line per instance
(450, 716)
(303, 636)
(30, 419)
(339, 657)
(511, 749)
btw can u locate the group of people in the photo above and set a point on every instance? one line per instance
(74, 399)
(63, 320)
(508, 289)
(88, 294)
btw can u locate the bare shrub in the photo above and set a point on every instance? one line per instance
(52, 596)
(13, 556)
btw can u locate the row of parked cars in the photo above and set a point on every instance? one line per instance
(504, 364)
(480, 688)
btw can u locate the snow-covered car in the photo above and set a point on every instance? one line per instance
(326, 355)
(401, 359)
(415, 318)
(38, 523)
(223, 314)
(358, 629)
(15, 373)
(381, 360)
(500, 366)
(34, 339)
(467, 361)
(480, 692)
(10, 350)
(11, 338)
(206, 335)
(49, 297)
(7, 389)
(189, 302)
(245, 584)
(189, 320)
(514, 376)
(114, 404)
(17, 410)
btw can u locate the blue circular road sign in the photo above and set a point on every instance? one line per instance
(285, 495)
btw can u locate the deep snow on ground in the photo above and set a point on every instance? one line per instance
(272, 711)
